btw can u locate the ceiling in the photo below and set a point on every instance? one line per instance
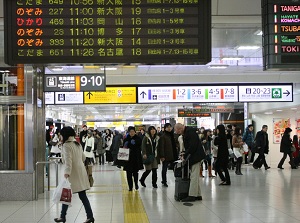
(234, 23)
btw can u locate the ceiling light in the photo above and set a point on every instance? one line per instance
(293, 108)
(91, 67)
(279, 110)
(232, 58)
(218, 66)
(268, 113)
(109, 68)
(57, 68)
(248, 47)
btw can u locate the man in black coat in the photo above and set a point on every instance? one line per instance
(82, 135)
(193, 149)
(262, 147)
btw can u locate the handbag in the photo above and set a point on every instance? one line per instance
(245, 148)
(63, 193)
(123, 154)
(88, 149)
(52, 143)
(149, 160)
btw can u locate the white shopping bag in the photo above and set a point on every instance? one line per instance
(63, 193)
(123, 154)
(245, 148)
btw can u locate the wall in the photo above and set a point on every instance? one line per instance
(260, 119)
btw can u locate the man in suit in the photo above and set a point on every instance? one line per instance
(262, 147)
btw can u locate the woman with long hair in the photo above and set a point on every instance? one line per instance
(149, 150)
(74, 170)
(206, 143)
(223, 155)
(237, 143)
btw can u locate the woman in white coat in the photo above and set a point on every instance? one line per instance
(89, 147)
(74, 170)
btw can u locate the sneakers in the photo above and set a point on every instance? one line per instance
(189, 199)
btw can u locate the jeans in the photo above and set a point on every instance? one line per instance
(86, 203)
(164, 171)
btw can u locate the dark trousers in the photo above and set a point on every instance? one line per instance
(154, 176)
(284, 157)
(115, 156)
(86, 203)
(135, 176)
(252, 157)
(221, 165)
(164, 171)
(261, 159)
(101, 159)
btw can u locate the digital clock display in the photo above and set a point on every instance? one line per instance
(281, 34)
(105, 31)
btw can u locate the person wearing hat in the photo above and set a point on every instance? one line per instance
(286, 146)
(166, 148)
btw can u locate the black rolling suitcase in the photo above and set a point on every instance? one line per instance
(182, 180)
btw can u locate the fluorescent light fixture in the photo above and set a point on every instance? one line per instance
(109, 68)
(268, 113)
(91, 67)
(279, 110)
(56, 68)
(248, 47)
(232, 58)
(293, 108)
(218, 66)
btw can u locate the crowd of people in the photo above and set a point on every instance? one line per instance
(221, 150)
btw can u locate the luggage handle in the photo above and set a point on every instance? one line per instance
(186, 161)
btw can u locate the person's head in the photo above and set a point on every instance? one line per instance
(162, 129)
(89, 133)
(158, 129)
(131, 131)
(264, 128)
(202, 130)
(237, 131)
(229, 127)
(250, 127)
(233, 127)
(151, 131)
(206, 133)
(295, 139)
(288, 131)
(221, 130)
(66, 133)
(107, 131)
(84, 127)
(179, 128)
(168, 127)
(142, 131)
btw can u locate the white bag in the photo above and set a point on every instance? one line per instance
(245, 148)
(63, 193)
(123, 154)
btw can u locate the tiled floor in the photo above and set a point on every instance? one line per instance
(271, 196)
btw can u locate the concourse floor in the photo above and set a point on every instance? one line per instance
(271, 196)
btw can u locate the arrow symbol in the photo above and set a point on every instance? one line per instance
(143, 94)
(287, 93)
(89, 95)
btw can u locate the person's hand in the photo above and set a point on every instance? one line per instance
(162, 159)
(144, 157)
(204, 141)
(241, 143)
(66, 176)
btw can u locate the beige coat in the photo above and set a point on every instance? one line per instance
(73, 158)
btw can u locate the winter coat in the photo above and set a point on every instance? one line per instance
(221, 142)
(89, 141)
(193, 146)
(262, 141)
(73, 159)
(99, 143)
(147, 149)
(56, 148)
(206, 145)
(286, 144)
(116, 143)
(165, 147)
(236, 140)
(134, 164)
(248, 137)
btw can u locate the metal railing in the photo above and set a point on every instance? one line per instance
(36, 174)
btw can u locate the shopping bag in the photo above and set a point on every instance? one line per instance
(245, 148)
(63, 193)
(123, 154)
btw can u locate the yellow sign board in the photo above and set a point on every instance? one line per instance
(112, 95)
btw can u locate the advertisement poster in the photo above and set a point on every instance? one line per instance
(279, 125)
(298, 127)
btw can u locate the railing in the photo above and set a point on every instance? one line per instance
(55, 161)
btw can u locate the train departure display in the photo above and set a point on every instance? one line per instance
(107, 31)
(281, 34)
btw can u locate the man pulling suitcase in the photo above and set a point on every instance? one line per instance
(262, 147)
(193, 149)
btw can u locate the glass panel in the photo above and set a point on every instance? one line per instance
(9, 136)
(8, 81)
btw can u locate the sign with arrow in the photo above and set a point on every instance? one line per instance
(266, 93)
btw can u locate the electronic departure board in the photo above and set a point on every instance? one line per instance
(107, 31)
(281, 34)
